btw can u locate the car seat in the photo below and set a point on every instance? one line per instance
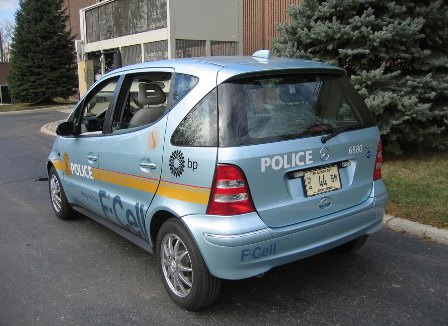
(149, 94)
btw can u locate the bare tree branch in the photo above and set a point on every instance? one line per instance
(6, 31)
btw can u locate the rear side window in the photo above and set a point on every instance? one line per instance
(268, 109)
(199, 127)
(183, 84)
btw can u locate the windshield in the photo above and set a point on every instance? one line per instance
(271, 108)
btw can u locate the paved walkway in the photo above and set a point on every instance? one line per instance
(395, 223)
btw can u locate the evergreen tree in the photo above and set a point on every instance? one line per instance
(394, 52)
(43, 62)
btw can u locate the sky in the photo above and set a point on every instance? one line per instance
(7, 9)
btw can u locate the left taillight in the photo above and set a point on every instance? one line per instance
(378, 162)
(230, 193)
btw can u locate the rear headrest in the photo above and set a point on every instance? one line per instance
(150, 94)
(289, 93)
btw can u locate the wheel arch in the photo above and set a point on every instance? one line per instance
(49, 166)
(156, 223)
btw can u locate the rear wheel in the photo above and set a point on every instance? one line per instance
(351, 246)
(185, 275)
(59, 202)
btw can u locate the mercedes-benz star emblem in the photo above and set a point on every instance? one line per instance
(325, 202)
(324, 153)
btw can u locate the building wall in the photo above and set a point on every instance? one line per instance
(206, 19)
(73, 7)
(204, 27)
(163, 28)
(123, 18)
(260, 19)
(5, 67)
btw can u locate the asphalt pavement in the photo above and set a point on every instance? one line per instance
(77, 272)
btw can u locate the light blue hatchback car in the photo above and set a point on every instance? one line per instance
(224, 167)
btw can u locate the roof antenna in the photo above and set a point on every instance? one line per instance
(262, 54)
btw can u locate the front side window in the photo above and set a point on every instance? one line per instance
(144, 101)
(268, 109)
(91, 115)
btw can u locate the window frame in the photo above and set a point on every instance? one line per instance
(81, 107)
(123, 95)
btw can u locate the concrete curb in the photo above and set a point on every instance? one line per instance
(421, 231)
(50, 128)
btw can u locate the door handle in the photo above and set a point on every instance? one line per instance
(92, 158)
(148, 165)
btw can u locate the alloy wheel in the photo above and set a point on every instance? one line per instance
(176, 265)
(55, 192)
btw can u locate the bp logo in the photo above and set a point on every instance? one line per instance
(177, 163)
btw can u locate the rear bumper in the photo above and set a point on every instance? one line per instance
(243, 246)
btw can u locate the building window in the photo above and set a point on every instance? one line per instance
(190, 48)
(131, 54)
(125, 17)
(224, 48)
(156, 50)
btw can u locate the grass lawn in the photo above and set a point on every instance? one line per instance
(418, 188)
(30, 106)
(24, 106)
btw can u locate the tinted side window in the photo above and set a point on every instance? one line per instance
(199, 127)
(183, 84)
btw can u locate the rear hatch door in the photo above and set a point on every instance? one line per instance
(306, 143)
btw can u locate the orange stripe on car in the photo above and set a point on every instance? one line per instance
(126, 180)
(58, 165)
(184, 192)
(191, 194)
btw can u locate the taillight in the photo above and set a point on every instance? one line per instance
(230, 194)
(378, 162)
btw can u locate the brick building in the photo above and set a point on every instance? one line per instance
(5, 67)
(260, 19)
(73, 8)
(145, 30)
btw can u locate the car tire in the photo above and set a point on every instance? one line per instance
(351, 246)
(59, 202)
(185, 276)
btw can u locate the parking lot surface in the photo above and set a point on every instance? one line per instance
(77, 272)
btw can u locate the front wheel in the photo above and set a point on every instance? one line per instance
(185, 276)
(59, 202)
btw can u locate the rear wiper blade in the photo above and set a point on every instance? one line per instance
(334, 133)
(340, 130)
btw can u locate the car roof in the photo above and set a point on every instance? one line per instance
(231, 66)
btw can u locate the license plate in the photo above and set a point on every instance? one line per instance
(322, 180)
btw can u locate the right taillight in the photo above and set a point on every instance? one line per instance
(378, 162)
(230, 193)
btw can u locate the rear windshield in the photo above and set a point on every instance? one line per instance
(269, 109)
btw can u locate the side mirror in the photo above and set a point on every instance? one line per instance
(66, 129)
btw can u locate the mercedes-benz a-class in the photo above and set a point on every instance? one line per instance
(223, 167)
